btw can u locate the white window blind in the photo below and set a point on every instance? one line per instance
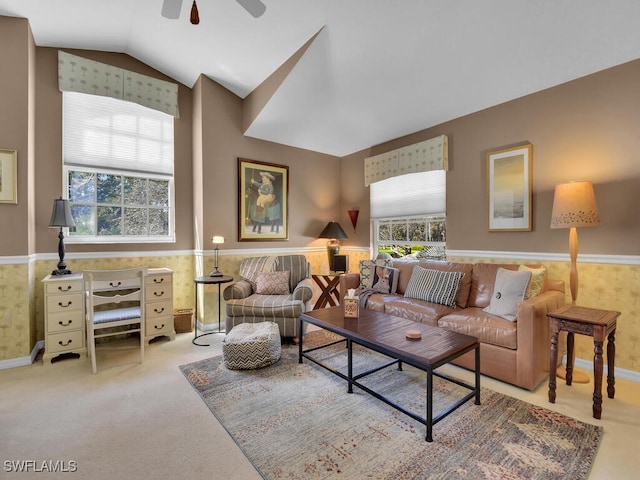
(421, 193)
(106, 133)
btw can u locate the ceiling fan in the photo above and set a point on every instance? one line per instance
(171, 9)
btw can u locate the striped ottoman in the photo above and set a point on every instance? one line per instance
(251, 345)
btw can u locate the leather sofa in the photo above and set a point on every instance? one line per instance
(516, 352)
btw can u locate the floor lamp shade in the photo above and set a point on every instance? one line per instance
(61, 218)
(334, 232)
(574, 205)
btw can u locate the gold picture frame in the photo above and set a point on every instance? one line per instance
(8, 176)
(509, 173)
(263, 201)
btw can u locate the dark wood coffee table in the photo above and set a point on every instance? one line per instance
(386, 334)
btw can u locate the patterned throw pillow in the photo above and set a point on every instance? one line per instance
(537, 280)
(385, 279)
(434, 286)
(508, 292)
(367, 270)
(272, 283)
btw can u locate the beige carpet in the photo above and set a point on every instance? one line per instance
(296, 420)
(133, 421)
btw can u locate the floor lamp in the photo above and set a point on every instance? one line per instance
(334, 232)
(574, 205)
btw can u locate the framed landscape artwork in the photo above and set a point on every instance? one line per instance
(8, 176)
(509, 186)
(263, 201)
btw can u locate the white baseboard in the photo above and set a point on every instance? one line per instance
(620, 373)
(22, 361)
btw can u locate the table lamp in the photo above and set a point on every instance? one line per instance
(334, 232)
(61, 217)
(216, 240)
(574, 205)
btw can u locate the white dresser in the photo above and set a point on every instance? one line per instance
(64, 321)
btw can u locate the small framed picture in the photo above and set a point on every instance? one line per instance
(8, 176)
(263, 201)
(509, 187)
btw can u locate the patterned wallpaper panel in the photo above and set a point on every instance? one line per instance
(605, 286)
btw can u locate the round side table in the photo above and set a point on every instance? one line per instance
(208, 280)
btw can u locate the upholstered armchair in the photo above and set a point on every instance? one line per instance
(271, 289)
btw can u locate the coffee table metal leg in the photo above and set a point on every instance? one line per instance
(300, 325)
(477, 375)
(429, 418)
(350, 365)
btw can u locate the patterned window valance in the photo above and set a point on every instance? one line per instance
(424, 156)
(78, 74)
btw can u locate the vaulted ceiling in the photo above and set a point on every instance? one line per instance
(377, 70)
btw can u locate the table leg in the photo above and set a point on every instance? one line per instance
(350, 365)
(611, 364)
(300, 323)
(429, 418)
(553, 362)
(569, 373)
(477, 402)
(597, 379)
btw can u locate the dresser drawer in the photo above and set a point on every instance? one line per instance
(158, 279)
(158, 309)
(155, 293)
(61, 342)
(64, 321)
(64, 303)
(158, 325)
(64, 287)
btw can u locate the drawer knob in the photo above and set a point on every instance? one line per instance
(159, 327)
(158, 280)
(158, 294)
(65, 306)
(114, 285)
(61, 323)
(63, 344)
(66, 289)
(159, 311)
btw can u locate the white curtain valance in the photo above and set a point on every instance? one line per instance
(78, 74)
(424, 156)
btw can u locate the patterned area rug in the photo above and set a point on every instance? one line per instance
(297, 421)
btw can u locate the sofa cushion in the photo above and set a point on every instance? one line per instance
(483, 278)
(273, 283)
(508, 292)
(462, 299)
(485, 327)
(434, 286)
(385, 279)
(405, 269)
(416, 310)
(265, 306)
(538, 276)
(367, 270)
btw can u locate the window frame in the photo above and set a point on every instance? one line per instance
(377, 242)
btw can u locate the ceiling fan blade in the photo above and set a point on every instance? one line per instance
(171, 8)
(255, 7)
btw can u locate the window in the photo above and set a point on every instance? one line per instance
(408, 215)
(118, 170)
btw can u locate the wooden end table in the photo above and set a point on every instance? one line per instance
(586, 321)
(329, 291)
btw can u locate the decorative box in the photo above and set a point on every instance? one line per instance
(183, 320)
(350, 307)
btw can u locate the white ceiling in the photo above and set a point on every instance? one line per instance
(379, 69)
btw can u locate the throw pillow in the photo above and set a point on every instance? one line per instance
(537, 280)
(272, 283)
(385, 279)
(367, 269)
(434, 286)
(508, 292)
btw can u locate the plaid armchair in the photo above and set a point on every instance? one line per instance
(272, 289)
